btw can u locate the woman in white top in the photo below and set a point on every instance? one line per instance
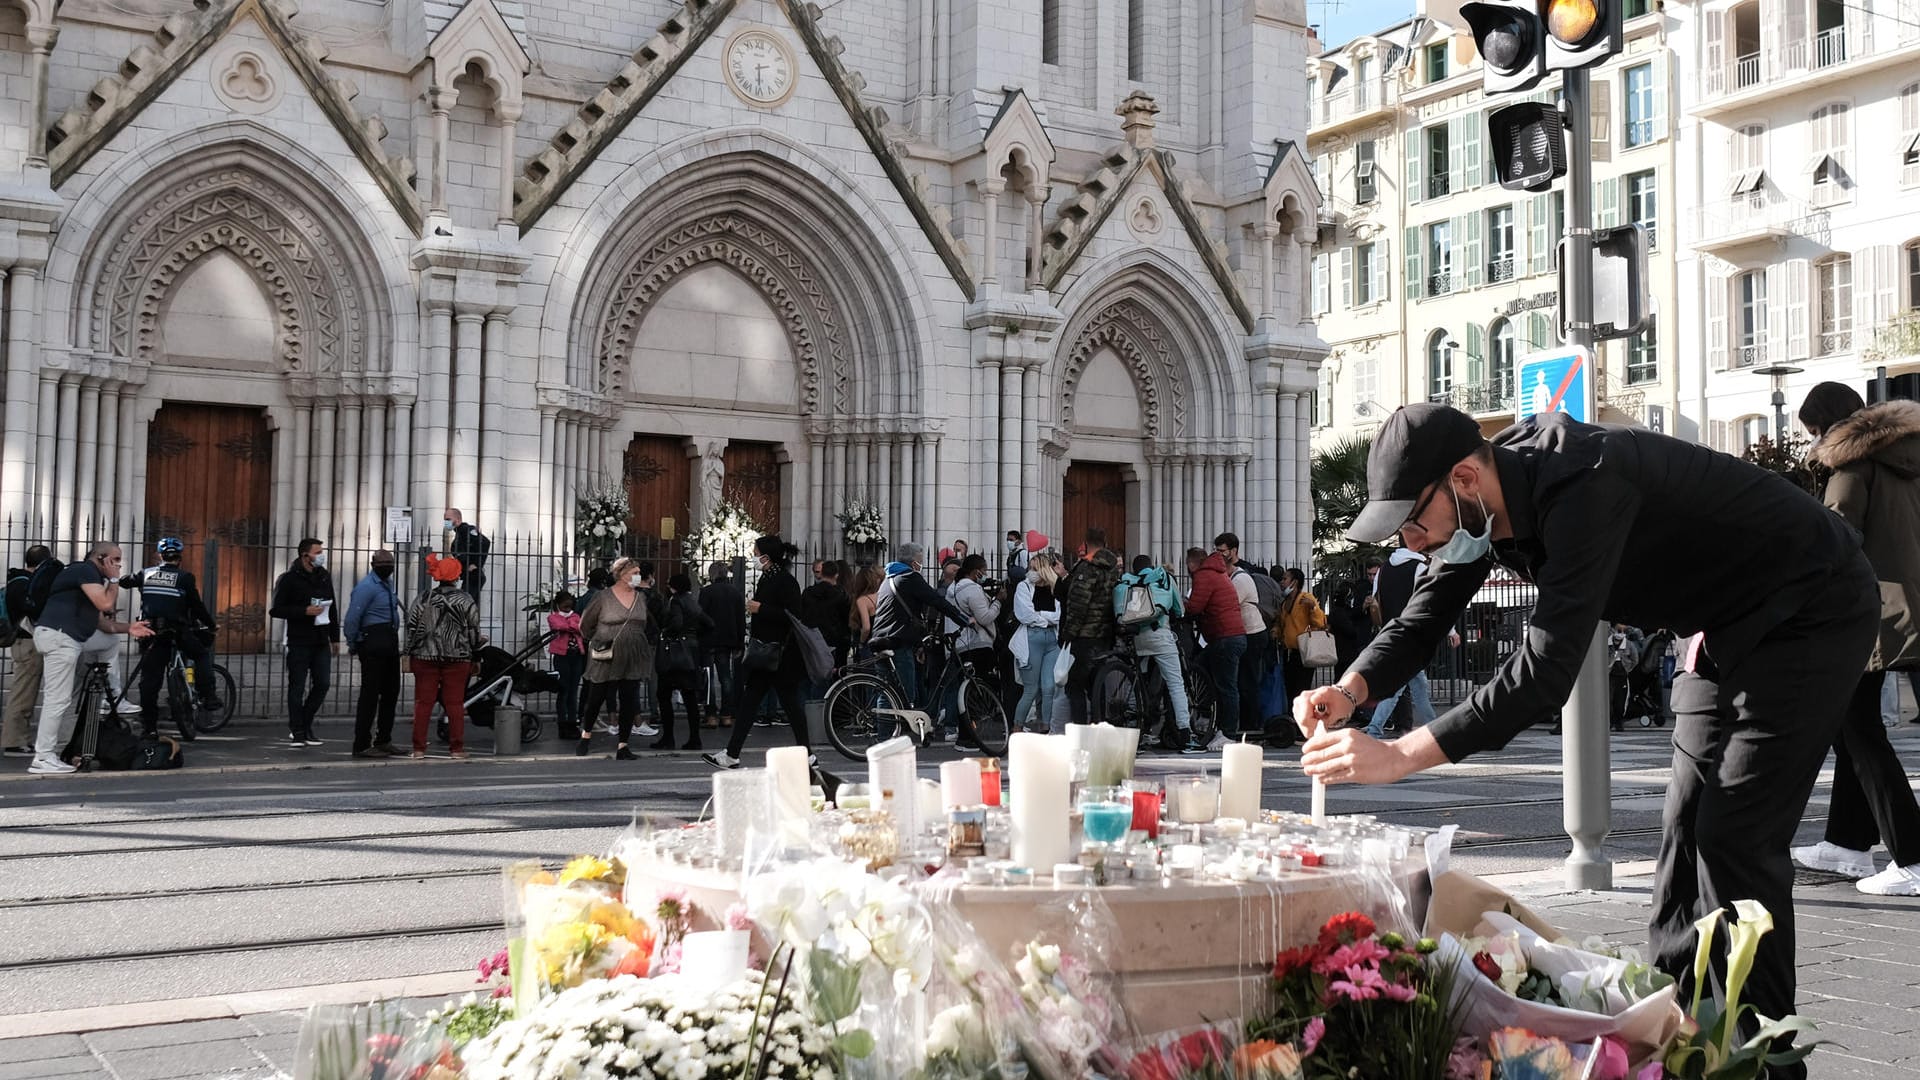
(1039, 615)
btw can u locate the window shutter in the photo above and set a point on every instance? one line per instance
(1600, 111)
(1717, 287)
(1716, 52)
(1539, 243)
(1792, 29)
(1322, 298)
(1475, 264)
(1476, 167)
(1865, 284)
(1412, 240)
(1659, 111)
(1457, 154)
(1415, 141)
(1346, 277)
(1382, 259)
(1795, 274)
(1776, 314)
(1886, 287)
(1717, 434)
(1476, 356)
(1609, 202)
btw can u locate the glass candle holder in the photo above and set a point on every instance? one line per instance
(869, 836)
(1106, 813)
(1196, 801)
(1148, 796)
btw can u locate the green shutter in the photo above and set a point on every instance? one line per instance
(1457, 155)
(1412, 241)
(1415, 143)
(1346, 278)
(1539, 234)
(1609, 203)
(1476, 356)
(1475, 265)
(1476, 168)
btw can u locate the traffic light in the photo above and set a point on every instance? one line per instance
(1529, 146)
(1622, 296)
(1521, 40)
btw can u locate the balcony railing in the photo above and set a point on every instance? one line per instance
(1896, 339)
(1851, 40)
(1746, 71)
(1500, 269)
(1488, 399)
(1833, 342)
(1440, 283)
(1736, 220)
(1752, 354)
(1437, 185)
(1830, 46)
(1357, 100)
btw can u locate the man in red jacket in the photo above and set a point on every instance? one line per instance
(1213, 604)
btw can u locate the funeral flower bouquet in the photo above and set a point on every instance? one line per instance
(600, 518)
(728, 530)
(577, 930)
(861, 524)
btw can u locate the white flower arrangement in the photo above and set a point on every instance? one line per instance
(836, 907)
(659, 1027)
(600, 517)
(727, 531)
(861, 523)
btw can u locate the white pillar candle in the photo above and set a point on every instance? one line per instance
(1319, 790)
(959, 784)
(892, 768)
(1040, 775)
(1240, 766)
(932, 802)
(710, 959)
(792, 799)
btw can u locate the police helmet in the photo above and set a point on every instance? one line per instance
(170, 547)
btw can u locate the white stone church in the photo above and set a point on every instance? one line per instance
(1012, 264)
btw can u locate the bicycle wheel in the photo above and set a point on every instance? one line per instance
(981, 703)
(852, 724)
(180, 704)
(1202, 709)
(1115, 695)
(216, 719)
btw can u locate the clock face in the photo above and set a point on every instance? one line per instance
(760, 67)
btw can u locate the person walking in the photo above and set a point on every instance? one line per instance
(1154, 640)
(1035, 606)
(772, 665)
(1874, 452)
(1782, 606)
(1299, 613)
(569, 652)
(1352, 626)
(23, 691)
(372, 630)
(75, 626)
(1217, 609)
(826, 607)
(1259, 596)
(1087, 624)
(619, 655)
(303, 598)
(680, 661)
(723, 603)
(443, 634)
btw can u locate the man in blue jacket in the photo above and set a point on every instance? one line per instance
(373, 634)
(1153, 639)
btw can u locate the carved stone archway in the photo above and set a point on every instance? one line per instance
(1140, 342)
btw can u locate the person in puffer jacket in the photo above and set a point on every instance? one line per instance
(1214, 605)
(443, 633)
(1087, 623)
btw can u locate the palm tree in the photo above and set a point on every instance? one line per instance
(1339, 476)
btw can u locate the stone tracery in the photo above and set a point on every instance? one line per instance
(1136, 337)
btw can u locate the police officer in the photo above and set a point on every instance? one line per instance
(1618, 523)
(170, 602)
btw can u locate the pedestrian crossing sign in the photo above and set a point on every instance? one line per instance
(1555, 380)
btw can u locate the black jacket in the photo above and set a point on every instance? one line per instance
(724, 604)
(1620, 524)
(17, 579)
(900, 609)
(293, 593)
(827, 608)
(778, 594)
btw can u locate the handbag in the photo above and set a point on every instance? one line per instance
(602, 653)
(676, 656)
(1317, 649)
(1274, 702)
(761, 655)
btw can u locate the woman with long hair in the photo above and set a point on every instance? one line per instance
(1038, 612)
(771, 664)
(569, 652)
(619, 655)
(865, 590)
(1874, 453)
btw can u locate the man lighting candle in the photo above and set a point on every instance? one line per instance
(1618, 523)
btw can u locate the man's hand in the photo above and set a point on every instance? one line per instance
(333, 646)
(1351, 756)
(139, 629)
(1453, 638)
(314, 609)
(753, 607)
(1321, 707)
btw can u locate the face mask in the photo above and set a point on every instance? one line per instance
(635, 580)
(446, 523)
(1465, 547)
(320, 560)
(383, 572)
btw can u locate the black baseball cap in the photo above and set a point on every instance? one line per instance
(1418, 445)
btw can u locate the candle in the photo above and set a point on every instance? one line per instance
(960, 785)
(928, 809)
(989, 781)
(891, 771)
(1240, 766)
(714, 958)
(1319, 790)
(1041, 778)
(792, 795)
(742, 804)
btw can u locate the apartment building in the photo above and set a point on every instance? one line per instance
(1800, 137)
(1429, 279)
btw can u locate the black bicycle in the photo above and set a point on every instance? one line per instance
(1128, 690)
(867, 700)
(185, 698)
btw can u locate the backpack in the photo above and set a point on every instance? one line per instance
(1269, 596)
(1139, 608)
(1144, 601)
(40, 587)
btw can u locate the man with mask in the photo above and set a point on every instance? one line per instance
(373, 634)
(1785, 606)
(303, 598)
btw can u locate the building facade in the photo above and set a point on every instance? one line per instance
(270, 273)
(1801, 159)
(1429, 279)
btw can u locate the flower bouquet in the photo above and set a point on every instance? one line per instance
(600, 520)
(1215, 1052)
(576, 929)
(860, 523)
(1705, 1047)
(727, 531)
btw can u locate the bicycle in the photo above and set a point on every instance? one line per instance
(867, 695)
(1128, 692)
(183, 695)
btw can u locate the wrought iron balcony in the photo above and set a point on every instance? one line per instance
(1757, 216)
(1833, 342)
(1489, 399)
(1437, 185)
(1439, 284)
(1500, 269)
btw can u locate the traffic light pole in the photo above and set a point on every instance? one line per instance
(1587, 811)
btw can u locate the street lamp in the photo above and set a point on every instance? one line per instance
(1778, 372)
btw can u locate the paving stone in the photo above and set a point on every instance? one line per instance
(82, 1067)
(169, 1034)
(183, 1060)
(36, 1047)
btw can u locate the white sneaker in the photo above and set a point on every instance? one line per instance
(1219, 741)
(47, 763)
(128, 707)
(1834, 859)
(720, 759)
(1893, 881)
(647, 731)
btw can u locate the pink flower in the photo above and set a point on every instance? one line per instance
(736, 918)
(1310, 1038)
(1465, 1061)
(1367, 953)
(669, 960)
(1400, 992)
(1361, 984)
(1612, 1063)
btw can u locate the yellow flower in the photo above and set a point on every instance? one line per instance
(566, 950)
(585, 868)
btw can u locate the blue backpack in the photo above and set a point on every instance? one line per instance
(1143, 601)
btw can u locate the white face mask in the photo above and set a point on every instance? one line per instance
(446, 523)
(635, 580)
(1465, 547)
(320, 560)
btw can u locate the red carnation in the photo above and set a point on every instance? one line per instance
(1346, 929)
(1487, 966)
(1291, 961)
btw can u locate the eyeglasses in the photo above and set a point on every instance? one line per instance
(1419, 508)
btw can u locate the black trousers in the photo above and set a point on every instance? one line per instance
(1747, 747)
(599, 693)
(693, 689)
(309, 673)
(1871, 797)
(153, 672)
(1299, 679)
(784, 682)
(379, 696)
(1080, 675)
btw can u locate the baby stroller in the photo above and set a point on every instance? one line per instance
(1642, 685)
(501, 678)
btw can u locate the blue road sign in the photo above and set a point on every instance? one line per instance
(1555, 380)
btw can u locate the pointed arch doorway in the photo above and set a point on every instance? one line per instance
(1094, 495)
(210, 477)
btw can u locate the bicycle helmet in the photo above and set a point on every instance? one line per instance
(170, 547)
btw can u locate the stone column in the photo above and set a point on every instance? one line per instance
(1289, 479)
(508, 113)
(860, 475)
(440, 101)
(910, 492)
(1268, 232)
(836, 483)
(65, 465)
(820, 521)
(463, 462)
(373, 488)
(1037, 234)
(883, 484)
(133, 461)
(40, 39)
(107, 487)
(1011, 424)
(990, 190)
(1237, 502)
(283, 474)
(86, 516)
(320, 508)
(932, 525)
(432, 415)
(46, 454)
(400, 485)
(1263, 516)
(23, 402)
(493, 423)
(1031, 404)
(1303, 483)
(986, 444)
(1182, 516)
(300, 512)
(1150, 509)
(346, 511)
(549, 491)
